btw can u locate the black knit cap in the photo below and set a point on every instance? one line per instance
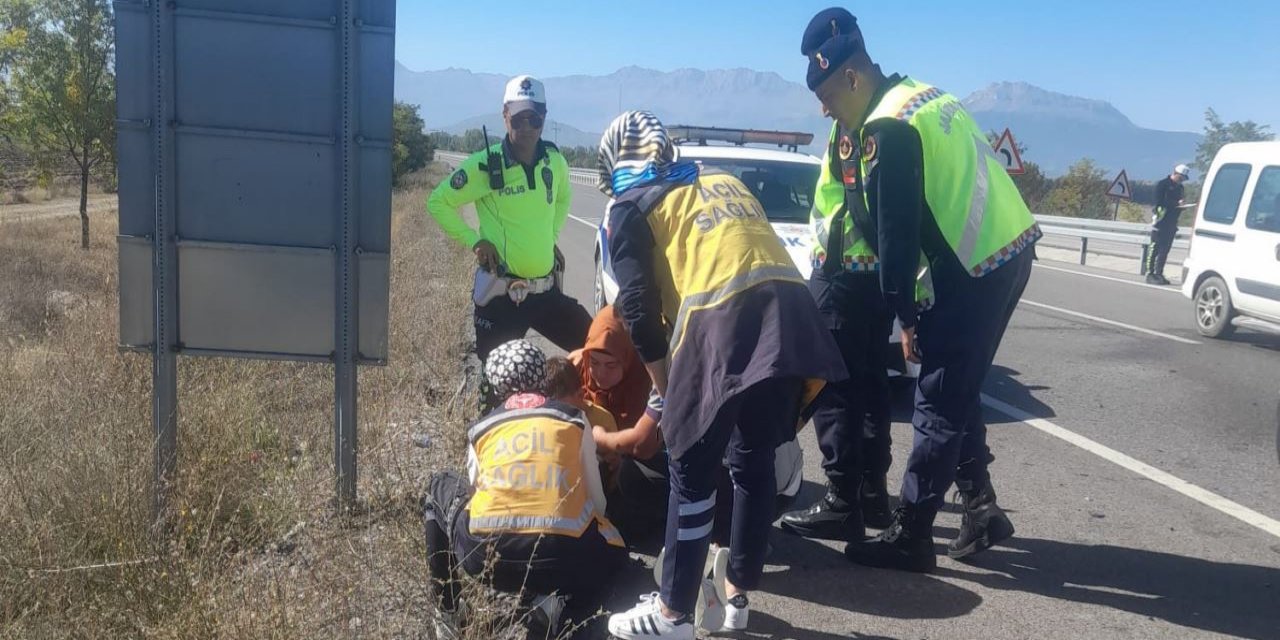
(831, 38)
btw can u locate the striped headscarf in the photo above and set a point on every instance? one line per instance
(635, 150)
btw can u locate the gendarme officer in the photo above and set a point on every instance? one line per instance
(930, 182)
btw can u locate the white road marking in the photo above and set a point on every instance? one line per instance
(593, 225)
(1041, 265)
(1122, 325)
(1167, 480)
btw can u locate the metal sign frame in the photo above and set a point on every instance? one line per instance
(219, 256)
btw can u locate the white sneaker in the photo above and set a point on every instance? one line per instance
(735, 613)
(645, 620)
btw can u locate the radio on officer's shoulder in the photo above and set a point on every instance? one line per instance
(493, 164)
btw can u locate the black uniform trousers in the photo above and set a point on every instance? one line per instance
(559, 318)
(958, 339)
(1162, 236)
(852, 423)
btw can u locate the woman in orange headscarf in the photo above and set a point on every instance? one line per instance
(613, 377)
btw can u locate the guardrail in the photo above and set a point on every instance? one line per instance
(1136, 234)
(1131, 233)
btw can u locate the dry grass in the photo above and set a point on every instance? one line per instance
(253, 549)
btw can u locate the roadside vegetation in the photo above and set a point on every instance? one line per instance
(254, 548)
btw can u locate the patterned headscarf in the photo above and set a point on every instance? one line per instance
(515, 367)
(635, 150)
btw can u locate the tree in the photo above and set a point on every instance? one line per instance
(16, 17)
(64, 89)
(1218, 133)
(411, 149)
(1082, 193)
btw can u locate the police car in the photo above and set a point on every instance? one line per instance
(781, 178)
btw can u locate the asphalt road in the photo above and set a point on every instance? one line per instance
(1136, 459)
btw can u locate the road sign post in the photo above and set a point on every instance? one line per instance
(1007, 152)
(1119, 190)
(254, 146)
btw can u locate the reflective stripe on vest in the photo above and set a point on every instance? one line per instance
(977, 207)
(713, 241)
(529, 478)
(738, 284)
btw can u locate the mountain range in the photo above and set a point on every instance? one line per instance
(1056, 129)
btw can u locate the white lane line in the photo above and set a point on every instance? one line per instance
(1167, 480)
(1041, 265)
(1122, 325)
(593, 225)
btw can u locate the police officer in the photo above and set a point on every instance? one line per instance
(930, 182)
(852, 420)
(735, 347)
(520, 188)
(1169, 195)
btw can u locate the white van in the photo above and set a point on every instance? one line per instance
(1233, 271)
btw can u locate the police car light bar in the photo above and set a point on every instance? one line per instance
(701, 135)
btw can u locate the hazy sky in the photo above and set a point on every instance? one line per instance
(1161, 63)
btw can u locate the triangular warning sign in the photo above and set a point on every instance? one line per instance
(1120, 187)
(1007, 151)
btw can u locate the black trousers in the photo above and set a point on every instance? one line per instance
(852, 423)
(559, 318)
(958, 339)
(1161, 241)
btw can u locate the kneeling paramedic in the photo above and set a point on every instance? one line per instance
(520, 188)
(930, 181)
(531, 517)
(734, 345)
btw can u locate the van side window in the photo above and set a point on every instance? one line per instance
(1225, 193)
(1264, 209)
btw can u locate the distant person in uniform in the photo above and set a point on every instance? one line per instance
(520, 189)
(1169, 196)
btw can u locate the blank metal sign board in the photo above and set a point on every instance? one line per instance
(276, 162)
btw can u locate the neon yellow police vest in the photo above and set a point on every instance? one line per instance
(975, 203)
(828, 197)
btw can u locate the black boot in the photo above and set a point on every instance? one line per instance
(831, 518)
(906, 545)
(875, 502)
(983, 524)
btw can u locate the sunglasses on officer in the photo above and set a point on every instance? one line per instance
(527, 120)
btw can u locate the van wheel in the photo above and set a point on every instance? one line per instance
(1213, 308)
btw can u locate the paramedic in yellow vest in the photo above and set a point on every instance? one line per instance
(931, 182)
(530, 518)
(852, 421)
(520, 189)
(734, 345)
